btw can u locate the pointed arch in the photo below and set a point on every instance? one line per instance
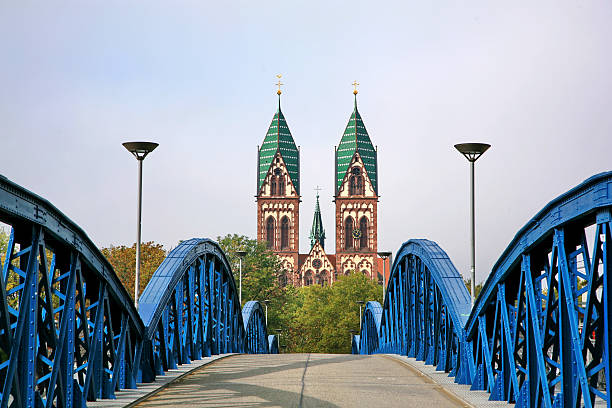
(324, 278)
(270, 231)
(308, 278)
(356, 182)
(281, 185)
(272, 185)
(284, 232)
(349, 225)
(363, 228)
(359, 185)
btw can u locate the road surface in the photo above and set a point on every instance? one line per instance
(304, 380)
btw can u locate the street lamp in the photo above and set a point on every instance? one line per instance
(472, 152)
(265, 302)
(384, 255)
(361, 303)
(140, 150)
(241, 254)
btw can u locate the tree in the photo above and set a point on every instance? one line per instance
(123, 260)
(323, 321)
(262, 274)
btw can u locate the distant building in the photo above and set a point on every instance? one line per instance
(356, 198)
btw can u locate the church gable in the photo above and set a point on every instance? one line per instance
(356, 180)
(317, 268)
(277, 182)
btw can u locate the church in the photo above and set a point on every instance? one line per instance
(356, 199)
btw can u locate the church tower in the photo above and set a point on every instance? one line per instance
(356, 198)
(278, 192)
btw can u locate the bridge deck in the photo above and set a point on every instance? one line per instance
(303, 380)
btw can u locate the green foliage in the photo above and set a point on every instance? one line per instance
(123, 260)
(261, 276)
(260, 267)
(324, 316)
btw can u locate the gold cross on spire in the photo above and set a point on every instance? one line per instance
(317, 189)
(355, 84)
(279, 76)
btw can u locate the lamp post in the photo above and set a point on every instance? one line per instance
(140, 150)
(361, 303)
(241, 254)
(472, 152)
(384, 255)
(265, 302)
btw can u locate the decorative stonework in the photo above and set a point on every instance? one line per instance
(318, 267)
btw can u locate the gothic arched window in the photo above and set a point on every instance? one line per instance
(356, 182)
(359, 185)
(308, 278)
(348, 233)
(324, 280)
(363, 228)
(273, 186)
(270, 231)
(281, 186)
(284, 233)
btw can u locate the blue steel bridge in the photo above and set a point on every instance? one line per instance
(69, 331)
(538, 334)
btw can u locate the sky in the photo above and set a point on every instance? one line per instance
(530, 78)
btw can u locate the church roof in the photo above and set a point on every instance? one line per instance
(317, 233)
(279, 139)
(356, 140)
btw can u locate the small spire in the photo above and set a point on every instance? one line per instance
(355, 91)
(317, 233)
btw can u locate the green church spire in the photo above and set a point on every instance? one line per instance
(317, 233)
(356, 140)
(279, 140)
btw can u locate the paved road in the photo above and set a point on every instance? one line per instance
(303, 380)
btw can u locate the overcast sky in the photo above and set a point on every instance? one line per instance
(532, 78)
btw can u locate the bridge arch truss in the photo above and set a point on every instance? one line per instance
(539, 333)
(69, 331)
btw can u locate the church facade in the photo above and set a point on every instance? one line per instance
(356, 200)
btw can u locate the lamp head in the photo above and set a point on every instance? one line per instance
(472, 151)
(140, 149)
(384, 254)
(241, 254)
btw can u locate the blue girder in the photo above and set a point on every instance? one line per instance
(426, 307)
(68, 329)
(69, 332)
(257, 339)
(540, 326)
(539, 332)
